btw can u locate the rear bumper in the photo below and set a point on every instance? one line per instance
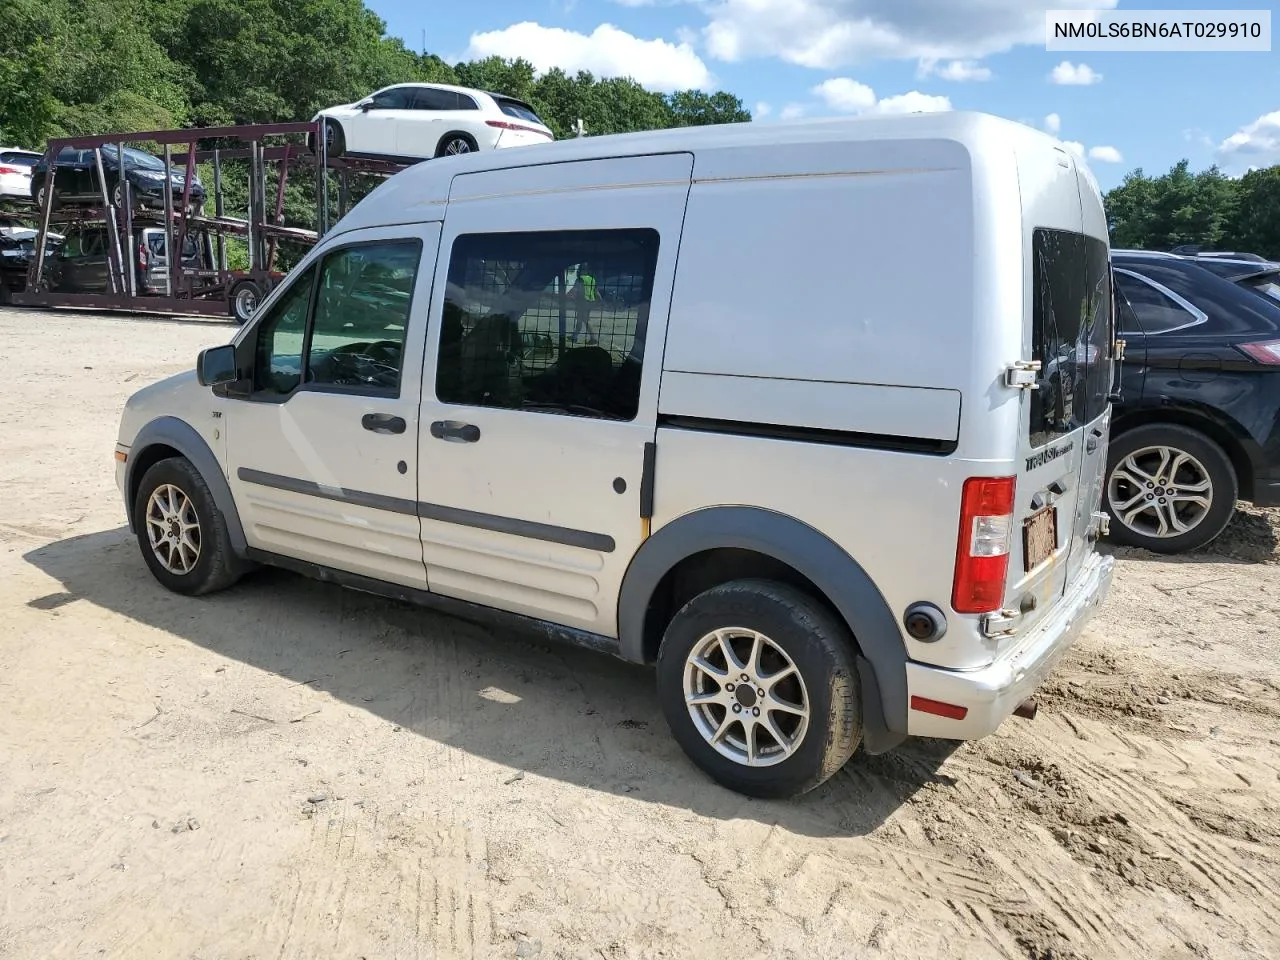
(991, 693)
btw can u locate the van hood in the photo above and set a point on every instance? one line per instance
(179, 396)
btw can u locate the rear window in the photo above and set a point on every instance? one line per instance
(1072, 323)
(1231, 307)
(521, 111)
(14, 159)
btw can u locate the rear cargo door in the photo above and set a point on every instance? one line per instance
(1095, 348)
(1052, 440)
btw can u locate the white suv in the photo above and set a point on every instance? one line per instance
(15, 173)
(688, 397)
(423, 120)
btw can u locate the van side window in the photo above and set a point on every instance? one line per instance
(362, 310)
(551, 322)
(1071, 332)
(277, 367)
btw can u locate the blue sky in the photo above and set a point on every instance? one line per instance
(787, 58)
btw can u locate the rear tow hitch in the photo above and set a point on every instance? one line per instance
(1026, 709)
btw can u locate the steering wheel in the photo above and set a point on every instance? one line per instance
(359, 364)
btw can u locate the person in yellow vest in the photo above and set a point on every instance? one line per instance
(585, 293)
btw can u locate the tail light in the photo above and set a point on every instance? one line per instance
(1264, 351)
(5, 170)
(982, 554)
(507, 125)
(142, 256)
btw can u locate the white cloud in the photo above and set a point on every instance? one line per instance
(957, 71)
(793, 111)
(1254, 145)
(913, 102)
(1075, 146)
(608, 52)
(761, 111)
(1068, 74)
(828, 34)
(845, 95)
(1105, 154)
(1053, 124)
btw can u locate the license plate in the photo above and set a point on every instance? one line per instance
(1039, 538)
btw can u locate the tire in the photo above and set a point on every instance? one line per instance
(337, 140)
(212, 566)
(456, 144)
(817, 645)
(117, 195)
(245, 297)
(40, 199)
(1206, 491)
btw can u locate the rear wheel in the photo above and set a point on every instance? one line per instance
(335, 141)
(244, 300)
(1169, 488)
(455, 144)
(758, 685)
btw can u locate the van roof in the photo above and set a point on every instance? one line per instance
(409, 196)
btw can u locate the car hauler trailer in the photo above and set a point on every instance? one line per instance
(208, 286)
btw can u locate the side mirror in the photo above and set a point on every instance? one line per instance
(217, 365)
(366, 106)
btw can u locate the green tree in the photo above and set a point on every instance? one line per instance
(691, 108)
(1255, 227)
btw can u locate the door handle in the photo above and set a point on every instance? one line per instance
(454, 431)
(383, 423)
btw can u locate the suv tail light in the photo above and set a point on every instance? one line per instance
(1264, 351)
(507, 125)
(4, 170)
(982, 554)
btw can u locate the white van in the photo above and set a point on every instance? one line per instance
(813, 417)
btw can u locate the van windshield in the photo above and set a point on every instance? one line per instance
(1071, 331)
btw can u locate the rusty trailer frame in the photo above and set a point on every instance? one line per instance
(209, 291)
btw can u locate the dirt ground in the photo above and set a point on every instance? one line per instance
(290, 770)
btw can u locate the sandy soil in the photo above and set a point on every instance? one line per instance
(289, 770)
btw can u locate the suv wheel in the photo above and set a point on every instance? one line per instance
(759, 687)
(182, 534)
(335, 141)
(455, 144)
(1169, 488)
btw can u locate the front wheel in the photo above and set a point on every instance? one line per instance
(759, 687)
(1169, 488)
(183, 536)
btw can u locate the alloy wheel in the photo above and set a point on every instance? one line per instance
(1160, 491)
(746, 697)
(173, 529)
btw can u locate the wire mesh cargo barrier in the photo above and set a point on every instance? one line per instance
(553, 320)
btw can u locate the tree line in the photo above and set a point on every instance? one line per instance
(71, 67)
(1206, 208)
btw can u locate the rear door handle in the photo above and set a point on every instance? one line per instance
(454, 431)
(383, 423)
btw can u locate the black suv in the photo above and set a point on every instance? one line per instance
(77, 179)
(1198, 423)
